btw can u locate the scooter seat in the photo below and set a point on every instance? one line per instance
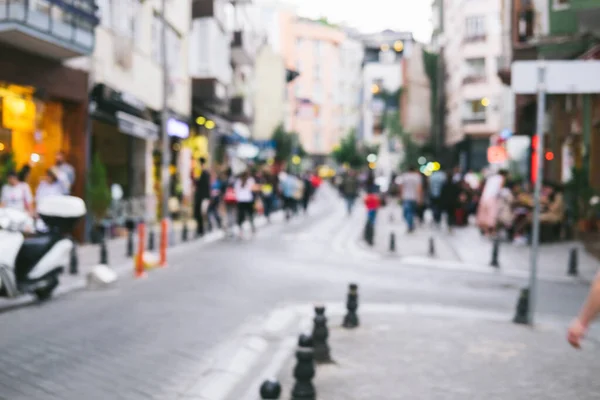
(32, 251)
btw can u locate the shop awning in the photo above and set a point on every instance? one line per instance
(138, 127)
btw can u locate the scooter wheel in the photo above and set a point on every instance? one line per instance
(45, 293)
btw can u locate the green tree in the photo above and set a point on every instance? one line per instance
(287, 144)
(98, 191)
(351, 152)
(412, 151)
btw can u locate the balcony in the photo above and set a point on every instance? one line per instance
(588, 12)
(474, 118)
(240, 109)
(52, 29)
(241, 53)
(503, 69)
(210, 91)
(474, 39)
(473, 79)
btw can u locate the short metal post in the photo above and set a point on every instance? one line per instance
(495, 250)
(392, 242)
(431, 247)
(573, 262)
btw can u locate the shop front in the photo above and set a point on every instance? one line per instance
(123, 135)
(43, 111)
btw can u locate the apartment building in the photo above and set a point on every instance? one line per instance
(313, 49)
(350, 82)
(472, 48)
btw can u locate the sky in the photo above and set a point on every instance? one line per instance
(373, 15)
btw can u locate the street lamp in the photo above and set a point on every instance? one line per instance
(371, 158)
(296, 160)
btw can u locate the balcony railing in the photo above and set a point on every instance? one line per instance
(241, 53)
(474, 118)
(54, 29)
(474, 38)
(471, 79)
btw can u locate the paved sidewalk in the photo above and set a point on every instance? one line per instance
(466, 247)
(424, 357)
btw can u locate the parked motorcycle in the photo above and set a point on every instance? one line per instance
(31, 263)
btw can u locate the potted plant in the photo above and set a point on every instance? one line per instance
(7, 163)
(98, 196)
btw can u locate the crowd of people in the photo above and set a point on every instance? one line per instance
(500, 205)
(223, 200)
(17, 193)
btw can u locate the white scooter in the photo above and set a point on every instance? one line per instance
(32, 263)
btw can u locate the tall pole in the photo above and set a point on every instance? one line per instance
(541, 110)
(166, 148)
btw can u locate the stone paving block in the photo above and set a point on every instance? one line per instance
(423, 357)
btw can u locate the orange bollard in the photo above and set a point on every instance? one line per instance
(139, 258)
(164, 241)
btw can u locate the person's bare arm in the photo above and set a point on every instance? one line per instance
(589, 311)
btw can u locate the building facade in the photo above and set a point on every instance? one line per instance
(558, 30)
(313, 49)
(472, 48)
(126, 91)
(350, 80)
(416, 99)
(43, 102)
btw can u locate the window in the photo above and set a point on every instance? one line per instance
(318, 93)
(474, 110)
(475, 69)
(299, 43)
(124, 17)
(318, 48)
(173, 46)
(299, 66)
(317, 71)
(475, 27)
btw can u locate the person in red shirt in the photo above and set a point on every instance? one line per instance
(372, 203)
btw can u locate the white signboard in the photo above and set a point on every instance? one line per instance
(562, 77)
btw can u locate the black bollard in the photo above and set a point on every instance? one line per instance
(74, 260)
(103, 252)
(392, 242)
(351, 318)
(320, 334)
(495, 250)
(270, 389)
(431, 247)
(185, 233)
(522, 307)
(130, 246)
(130, 225)
(304, 372)
(151, 239)
(573, 263)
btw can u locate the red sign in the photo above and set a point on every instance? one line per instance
(497, 154)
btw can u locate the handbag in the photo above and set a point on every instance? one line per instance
(230, 196)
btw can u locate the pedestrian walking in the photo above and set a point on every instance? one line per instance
(307, 192)
(201, 197)
(487, 211)
(288, 190)
(216, 194)
(229, 203)
(411, 193)
(449, 200)
(436, 182)
(244, 195)
(65, 172)
(350, 187)
(267, 193)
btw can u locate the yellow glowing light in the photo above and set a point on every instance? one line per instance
(35, 158)
(200, 121)
(385, 47)
(436, 166)
(427, 173)
(375, 89)
(270, 162)
(296, 160)
(372, 165)
(209, 124)
(2, 147)
(398, 46)
(485, 102)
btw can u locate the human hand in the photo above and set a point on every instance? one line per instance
(576, 332)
